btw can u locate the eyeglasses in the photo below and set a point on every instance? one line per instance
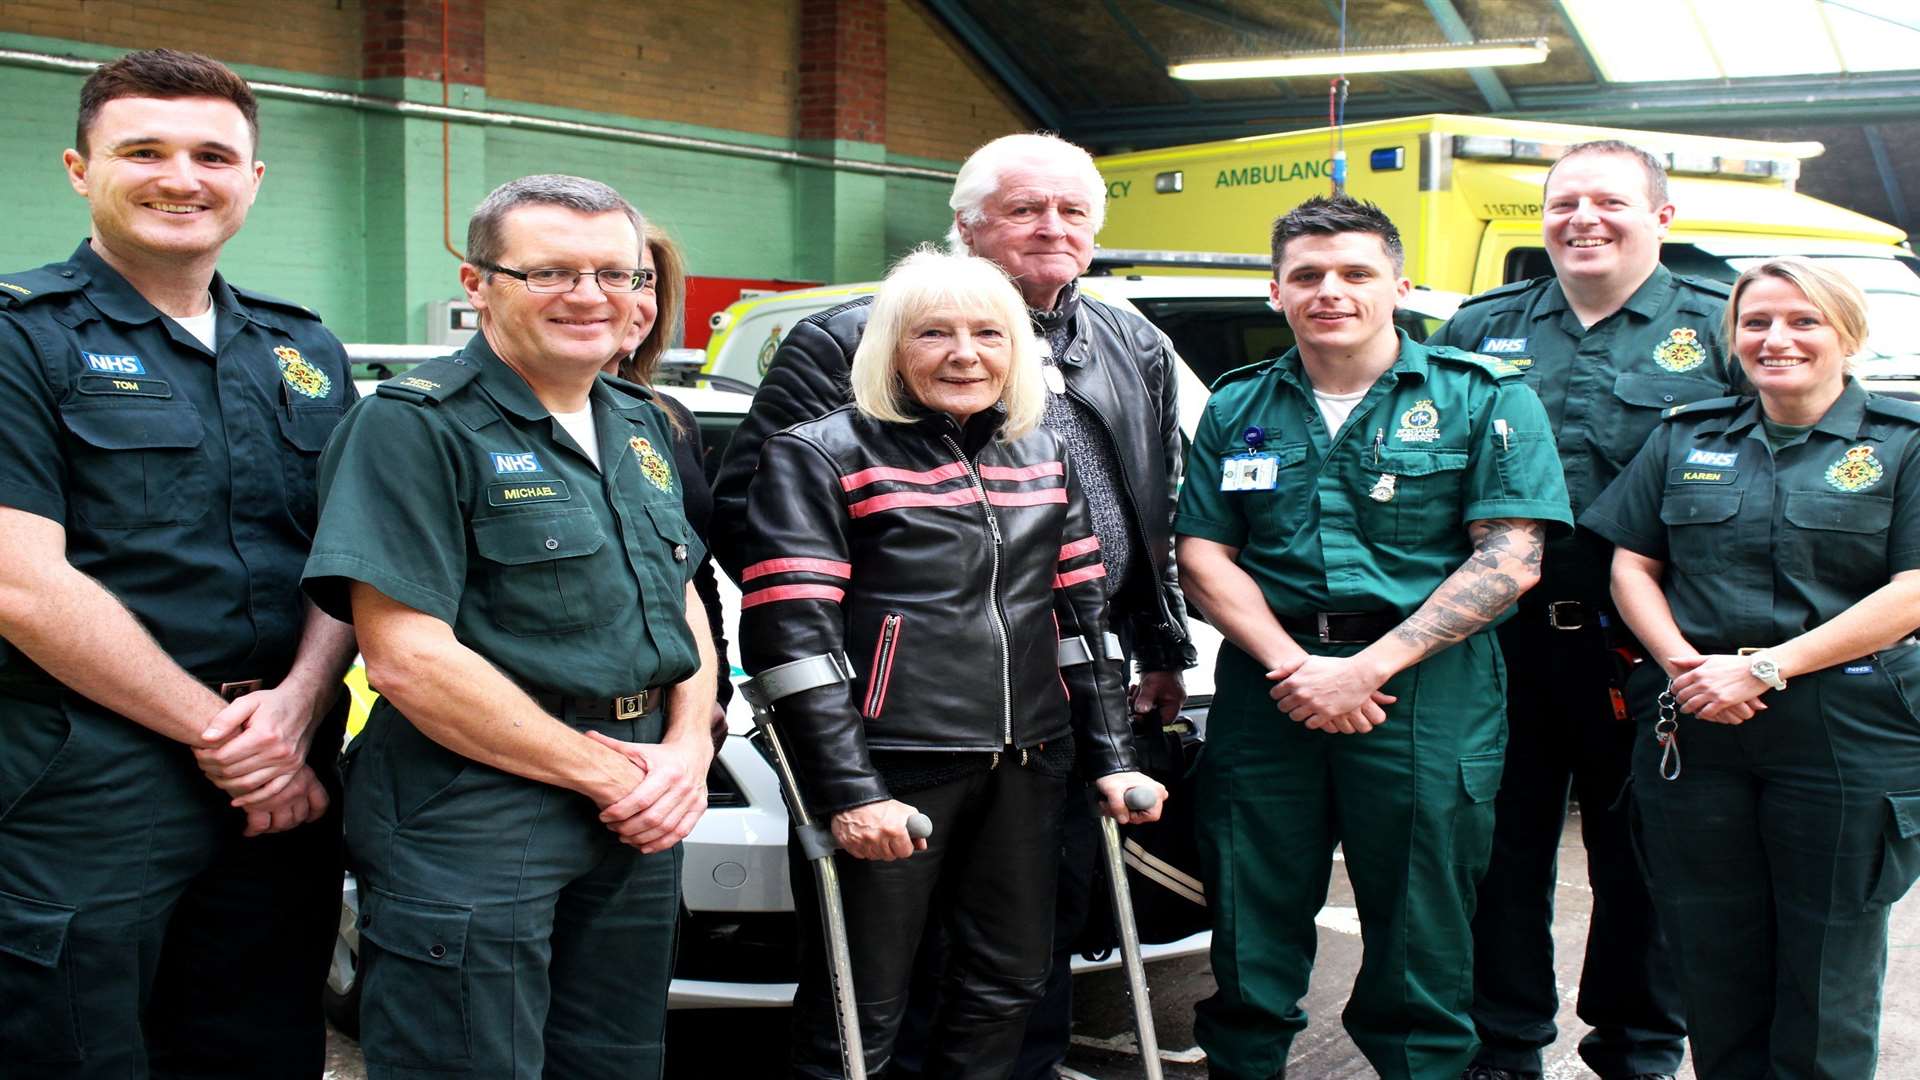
(554, 279)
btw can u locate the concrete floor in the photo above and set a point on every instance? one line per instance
(748, 1043)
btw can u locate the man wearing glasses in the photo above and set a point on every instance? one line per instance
(504, 528)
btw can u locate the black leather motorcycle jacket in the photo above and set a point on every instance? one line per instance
(1119, 365)
(957, 573)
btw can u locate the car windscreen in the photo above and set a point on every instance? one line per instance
(1217, 334)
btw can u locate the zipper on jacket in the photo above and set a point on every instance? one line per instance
(1155, 560)
(882, 671)
(993, 593)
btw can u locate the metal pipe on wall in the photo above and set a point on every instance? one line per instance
(494, 118)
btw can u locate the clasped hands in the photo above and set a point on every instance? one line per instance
(662, 808)
(1718, 688)
(255, 750)
(1340, 694)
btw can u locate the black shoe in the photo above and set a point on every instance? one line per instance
(1493, 1072)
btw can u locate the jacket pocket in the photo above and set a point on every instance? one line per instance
(1900, 849)
(414, 963)
(1697, 542)
(305, 429)
(137, 464)
(38, 1016)
(1473, 820)
(881, 672)
(38, 737)
(542, 580)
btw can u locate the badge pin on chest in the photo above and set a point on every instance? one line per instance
(1383, 488)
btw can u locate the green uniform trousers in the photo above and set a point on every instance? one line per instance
(1411, 806)
(140, 934)
(504, 931)
(1775, 858)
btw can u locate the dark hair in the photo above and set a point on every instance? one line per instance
(582, 196)
(1326, 215)
(1656, 172)
(164, 73)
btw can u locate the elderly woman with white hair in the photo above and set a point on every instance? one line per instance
(934, 534)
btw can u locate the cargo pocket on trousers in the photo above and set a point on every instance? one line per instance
(1473, 821)
(1900, 850)
(414, 1010)
(38, 1015)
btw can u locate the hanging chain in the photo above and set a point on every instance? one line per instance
(1666, 732)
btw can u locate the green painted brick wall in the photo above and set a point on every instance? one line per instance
(348, 217)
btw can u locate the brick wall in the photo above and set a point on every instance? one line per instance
(939, 103)
(715, 63)
(843, 70)
(407, 38)
(321, 37)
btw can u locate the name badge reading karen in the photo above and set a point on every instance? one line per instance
(1250, 472)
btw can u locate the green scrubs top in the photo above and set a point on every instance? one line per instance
(1761, 545)
(456, 493)
(184, 476)
(1604, 386)
(1371, 518)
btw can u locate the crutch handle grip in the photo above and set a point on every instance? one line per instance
(1141, 798)
(919, 826)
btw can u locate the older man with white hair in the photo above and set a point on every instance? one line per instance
(1032, 204)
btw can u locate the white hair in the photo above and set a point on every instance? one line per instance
(985, 172)
(928, 278)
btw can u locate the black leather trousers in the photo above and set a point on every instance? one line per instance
(988, 875)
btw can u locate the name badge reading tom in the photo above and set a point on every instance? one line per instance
(535, 492)
(119, 384)
(1250, 472)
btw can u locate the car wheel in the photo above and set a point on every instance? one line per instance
(340, 997)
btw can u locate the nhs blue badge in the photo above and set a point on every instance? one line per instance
(1858, 669)
(114, 365)
(1715, 458)
(1502, 345)
(513, 463)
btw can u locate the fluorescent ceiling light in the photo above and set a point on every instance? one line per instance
(1359, 61)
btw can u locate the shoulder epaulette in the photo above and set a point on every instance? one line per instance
(430, 383)
(265, 300)
(1511, 288)
(1898, 408)
(1247, 371)
(1696, 408)
(1492, 365)
(28, 286)
(1707, 285)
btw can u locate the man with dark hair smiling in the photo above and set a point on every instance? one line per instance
(169, 849)
(1357, 514)
(1609, 341)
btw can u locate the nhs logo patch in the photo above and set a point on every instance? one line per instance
(1712, 457)
(512, 463)
(1497, 345)
(114, 365)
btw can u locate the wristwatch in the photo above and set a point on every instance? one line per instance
(1762, 667)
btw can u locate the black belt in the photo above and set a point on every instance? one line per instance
(1342, 627)
(624, 707)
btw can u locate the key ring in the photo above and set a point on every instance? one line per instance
(1666, 732)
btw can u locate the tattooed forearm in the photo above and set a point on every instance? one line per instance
(1505, 563)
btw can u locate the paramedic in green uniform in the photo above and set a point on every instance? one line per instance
(1769, 557)
(1608, 341)
(169, 834)
(1357, 514)
(505, 528)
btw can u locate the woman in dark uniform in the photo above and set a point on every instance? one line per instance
(1769, 558)
(654, 326)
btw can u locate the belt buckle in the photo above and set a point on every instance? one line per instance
(240, 688)
(1321, 627)
(1576, 621)
(628, 706)
(1749, 650)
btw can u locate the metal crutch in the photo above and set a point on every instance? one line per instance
(816, 838)
(1137, 798)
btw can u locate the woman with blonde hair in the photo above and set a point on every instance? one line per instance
(1768, 555)
(933, 534)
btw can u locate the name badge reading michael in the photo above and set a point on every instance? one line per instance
(1250, 472)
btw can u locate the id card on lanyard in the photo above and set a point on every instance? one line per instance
(1250, 471)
